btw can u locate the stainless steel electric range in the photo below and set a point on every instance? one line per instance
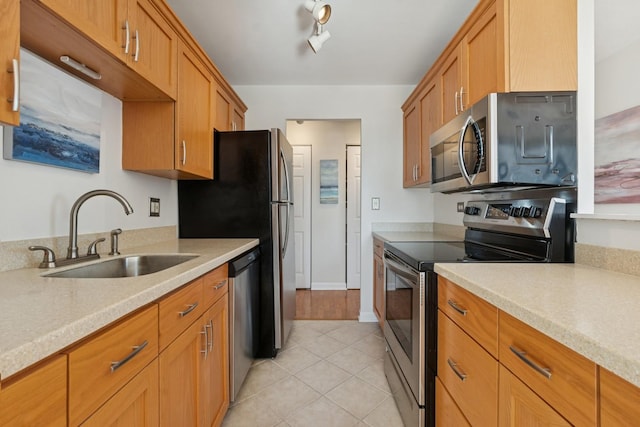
(531, 225)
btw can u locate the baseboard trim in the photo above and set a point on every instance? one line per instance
(328, 286)
(367, 316)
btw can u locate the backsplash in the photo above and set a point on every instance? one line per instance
(620, 260)
(15, 254)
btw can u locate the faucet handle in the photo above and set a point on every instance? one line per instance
(92, 250)
(49, 260)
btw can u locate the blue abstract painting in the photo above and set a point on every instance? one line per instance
(328, 182)
(59, 119)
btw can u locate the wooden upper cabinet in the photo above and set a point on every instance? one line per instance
(237, 118)
(194, 116)
(10, 57)
(37, 397)
(131, 30)
(479, 48)
(411, 142)
(153, 46)
(228, 115)
(430, 121)
(451, 84)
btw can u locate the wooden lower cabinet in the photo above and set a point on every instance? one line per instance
(520, 406)
(36, 398)
(618, 401)
(136, 404)
(194, 384)
(378, 280)
(447, 412)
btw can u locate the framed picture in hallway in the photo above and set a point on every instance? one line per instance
(60, 119)
(328, 182)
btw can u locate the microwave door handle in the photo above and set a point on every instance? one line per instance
(461, 165)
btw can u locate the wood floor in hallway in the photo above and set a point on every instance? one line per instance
(327, 305)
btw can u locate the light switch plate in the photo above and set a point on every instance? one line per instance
(375, 203)
(154, 206)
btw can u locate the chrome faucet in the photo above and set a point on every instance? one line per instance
(72, 251)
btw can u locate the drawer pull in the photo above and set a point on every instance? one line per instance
(457, 308)
(522, 355)
(189, 309)
(219, 285)
(457, 370)
(136, 349)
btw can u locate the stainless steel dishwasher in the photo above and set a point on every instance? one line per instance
(244, 282)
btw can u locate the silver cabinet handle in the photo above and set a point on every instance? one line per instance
(456, 307)
(206, 341)
(457, 370)
(522, 355)
(15, 101)
(135, 56)
(184, 152)
(126, 37)
(219, 285)
(189, 309)
(210, 326)
(136, 349)
(461, 101)
(455, 102)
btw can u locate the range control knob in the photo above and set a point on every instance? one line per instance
(535, 212)
(516, 211)
(526, 211)
(472, 210)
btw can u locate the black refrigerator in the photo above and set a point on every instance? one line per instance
(251, 197)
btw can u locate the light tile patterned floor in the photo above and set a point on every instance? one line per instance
(330, 374)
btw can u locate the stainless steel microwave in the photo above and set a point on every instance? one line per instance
(507, 140)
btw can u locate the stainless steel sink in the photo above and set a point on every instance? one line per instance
(130, 266)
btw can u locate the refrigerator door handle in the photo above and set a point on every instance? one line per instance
(288, 202)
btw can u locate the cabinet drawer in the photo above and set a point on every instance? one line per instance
(474, 315)
(447, 412)
(559, 375)
(216, 284)
(378, 247)
(468, 372)
(179, 310)
(94, 375)
(618, 400)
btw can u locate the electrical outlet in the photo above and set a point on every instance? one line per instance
(375, 203)
(154, 206)
(460, 207)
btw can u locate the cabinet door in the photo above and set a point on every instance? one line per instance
(451, 81)
(378, 288)
(153, 46)
(430, 121)
(482, 71)
(519, 406)
(9, 51)
(214, 377)
(618, 400)
(237, 122)
(194, 118)
(447, 412)
(136, 404)
(103, 21)
(180, 365)
(411, 144)
(223, 110)
(37, 399)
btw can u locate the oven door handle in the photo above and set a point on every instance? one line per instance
(400, 268)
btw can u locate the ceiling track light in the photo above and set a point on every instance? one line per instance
(317, 40)
(320, 10)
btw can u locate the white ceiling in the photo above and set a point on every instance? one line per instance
(372, 42)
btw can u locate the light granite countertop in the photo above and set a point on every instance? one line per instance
(593, 311)
(39, 316)
(414, 236)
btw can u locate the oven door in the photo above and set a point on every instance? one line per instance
(404, 321)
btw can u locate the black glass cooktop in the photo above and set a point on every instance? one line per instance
(422, 255)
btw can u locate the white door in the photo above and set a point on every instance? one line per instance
(302, 213)
(353, 217)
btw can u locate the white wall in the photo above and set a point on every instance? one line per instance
(328, 140)
(36, 199)
(379, 109)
